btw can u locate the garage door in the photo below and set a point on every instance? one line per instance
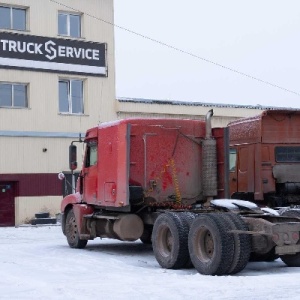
(7, 204)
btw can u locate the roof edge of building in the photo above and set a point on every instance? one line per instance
(203, 104)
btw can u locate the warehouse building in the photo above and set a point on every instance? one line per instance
(57, 78)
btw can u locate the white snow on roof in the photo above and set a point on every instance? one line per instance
(203, 104)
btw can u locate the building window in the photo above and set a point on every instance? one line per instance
(13, 95)
(12, 18)
(69, 24)
(71, 96)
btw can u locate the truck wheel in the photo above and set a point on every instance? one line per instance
(211, 247)
(72, 232)
(242, 243)
(187, 219)
(169, 241)
(146, 236)
(42, 215)
(292, 260)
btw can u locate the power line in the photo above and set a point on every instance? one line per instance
(181, 50)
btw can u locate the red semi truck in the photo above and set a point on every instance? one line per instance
(166, 182)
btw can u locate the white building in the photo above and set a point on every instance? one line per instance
(57, 78)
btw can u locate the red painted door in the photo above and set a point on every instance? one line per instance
(90, 172)
(7, 204)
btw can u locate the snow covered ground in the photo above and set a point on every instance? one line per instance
(37, 263)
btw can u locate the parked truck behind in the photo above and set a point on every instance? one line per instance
(265, 158)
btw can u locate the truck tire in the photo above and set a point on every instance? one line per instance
(72, 232)
(292, 260)
(42, 215)
(169, 241)
(211, 247)
(242, 243)
(187, 219)
(146, 236)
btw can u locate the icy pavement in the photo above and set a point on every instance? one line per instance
(37, 263)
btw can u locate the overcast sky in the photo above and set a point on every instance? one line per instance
(260, 38)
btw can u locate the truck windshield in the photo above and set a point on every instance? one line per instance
(287, 154)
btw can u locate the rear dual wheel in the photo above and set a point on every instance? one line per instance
(216, 250)
(187, 219)
(210, 245)
(242, 243)
(207, 241)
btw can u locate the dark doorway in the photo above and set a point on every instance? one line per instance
(7, 203)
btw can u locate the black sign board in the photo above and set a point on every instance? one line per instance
(51, 54)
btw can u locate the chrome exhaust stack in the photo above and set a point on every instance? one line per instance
(209, 161)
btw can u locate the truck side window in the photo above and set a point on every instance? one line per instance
(287, 154)
(232, 159)
(91, 154)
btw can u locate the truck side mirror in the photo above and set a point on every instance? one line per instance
(72, 157)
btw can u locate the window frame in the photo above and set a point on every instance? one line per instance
(68, 25)
(69, 96)
(13, 106)
(66, 186)
(11, 19)
(291, 154)
(91, 157)
(232, 159)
